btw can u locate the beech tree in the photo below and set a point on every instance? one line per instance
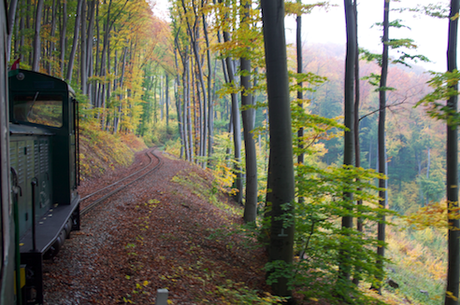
(37, 41)
(348, 153)
(281, 171)
(381, 135)
(250, 206)
(453, 268)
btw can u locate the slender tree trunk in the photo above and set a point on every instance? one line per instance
(22, 28)
(207, 133)
(29, 26)
(300, 132)
(281, 171)
(83, 50)
(359, 222)
(120, 96)
(63, 36)
(189, 111)
(11, 18)
(211, 115)
(453, 255)
(37, 44)
(250, 207)
(348, 152)
(167, 98)
(52, 43)
(428, 172)
(89, 49)
(356, 111)
(236, 126)
(178, 98)
(381, 136)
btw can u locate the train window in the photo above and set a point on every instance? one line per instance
(43, 109)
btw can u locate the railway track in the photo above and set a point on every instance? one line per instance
(94, 199)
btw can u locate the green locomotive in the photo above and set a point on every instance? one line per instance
(43, 155)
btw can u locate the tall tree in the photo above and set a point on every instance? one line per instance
(63, 37)
(300, 132)
(381, 134)
(11, 18)
(348, 152)
(75, 41)
(281, 171)
(250, 206)
(359, 202)
(235, 122)
(83, 51)
(453, 270)
(37, 45)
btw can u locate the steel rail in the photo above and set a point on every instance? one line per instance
(121, 180)
(98, 201)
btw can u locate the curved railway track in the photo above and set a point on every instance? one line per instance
(117, 186)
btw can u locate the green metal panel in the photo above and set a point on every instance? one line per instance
(18, 160)
(43, 175)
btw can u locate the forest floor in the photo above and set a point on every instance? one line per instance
(172, 230)
(164, 232)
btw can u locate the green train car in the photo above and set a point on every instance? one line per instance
(7, 241)
(43, 150)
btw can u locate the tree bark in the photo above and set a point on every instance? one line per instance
(89, 48)
(250, 206)
(11, 18)
(207, 133)
(63, 36)
(167, 99)
(359, 222)
(281, 171)
(83, 50)
(453, 265)
(300, 132)
(37, 44)
(381, 135)
(52, 43)
(236, 126)
(348, 152)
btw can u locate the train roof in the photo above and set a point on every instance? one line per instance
(36, 80)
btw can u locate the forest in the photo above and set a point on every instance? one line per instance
(345, 152)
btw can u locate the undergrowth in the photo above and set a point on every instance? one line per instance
(101, 150)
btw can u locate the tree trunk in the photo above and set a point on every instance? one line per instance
(37, 45)
(300, 157)
(348, 152)
(207, 106)
(281, 171)
(63, 36)
(83, 50)
(89, 48)
(11, 18)
(21, 28)
(180, 120)
(201, 90)
(359, 221)
(453, 265)
(250, 206)
(381, 136)
(167, 99)
(236, 126)
(52, 43)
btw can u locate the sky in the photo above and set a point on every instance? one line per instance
(428, 33)
(321, 26)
